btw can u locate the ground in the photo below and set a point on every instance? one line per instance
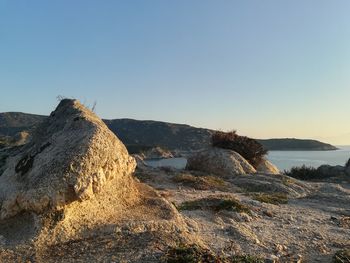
(272, 218)
(306, 221)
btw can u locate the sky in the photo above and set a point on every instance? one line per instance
(266, 68)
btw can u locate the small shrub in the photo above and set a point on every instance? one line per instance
(250, 149)
(200, 182)
(195, 254)
(303, 172)
(189, 254)
(215, 204)
(273, 198)
(342, 256)
(347, 165)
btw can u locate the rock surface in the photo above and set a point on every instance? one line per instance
(158, 153)
(71, 156)
(220, 162)
(69, 196)
(266, 167)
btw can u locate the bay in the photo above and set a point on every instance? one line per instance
(284, 160)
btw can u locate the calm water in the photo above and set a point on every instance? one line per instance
(178, 163)
(284, 160)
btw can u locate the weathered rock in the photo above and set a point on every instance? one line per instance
(220, 162)
(158, 153)
(266, 167)
(140, 163)
(71, 157)
(261, 183)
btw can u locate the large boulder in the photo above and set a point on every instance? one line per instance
(221, 162)
(68, 195)
(266, 167)
(71, 157)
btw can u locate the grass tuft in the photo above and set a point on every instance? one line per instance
(195, 254)
(215, 204)
(200, 182)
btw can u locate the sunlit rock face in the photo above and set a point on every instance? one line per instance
(266, 167)
(220, 162)
(71, 157)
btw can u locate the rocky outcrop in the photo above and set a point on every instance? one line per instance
(140, 163)
(157, 153)
(266, 167)
(220, 162)
(71, 156)
(72, 183)
(71, 163)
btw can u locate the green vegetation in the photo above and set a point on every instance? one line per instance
(200, 182)
(347, 164)
(195, 254)
(303, 172)
(342, 256)
(215, 204)
(271, 198)
(249, 148)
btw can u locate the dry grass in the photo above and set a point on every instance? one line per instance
(215, 204)
(201, 182)
(194, 254)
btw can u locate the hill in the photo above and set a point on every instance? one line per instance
(14, 122)
(155, 133)
(136, 134)
(291, 144)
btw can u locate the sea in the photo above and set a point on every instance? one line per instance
(284, 160)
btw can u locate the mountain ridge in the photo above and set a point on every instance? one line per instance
(150, 133)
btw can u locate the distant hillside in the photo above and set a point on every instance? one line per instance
(14, 122)
(156, 133)
(145, 134)
(288, 144)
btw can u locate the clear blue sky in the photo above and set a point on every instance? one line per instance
(266, 68)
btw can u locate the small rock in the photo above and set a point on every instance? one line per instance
(268, 213)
